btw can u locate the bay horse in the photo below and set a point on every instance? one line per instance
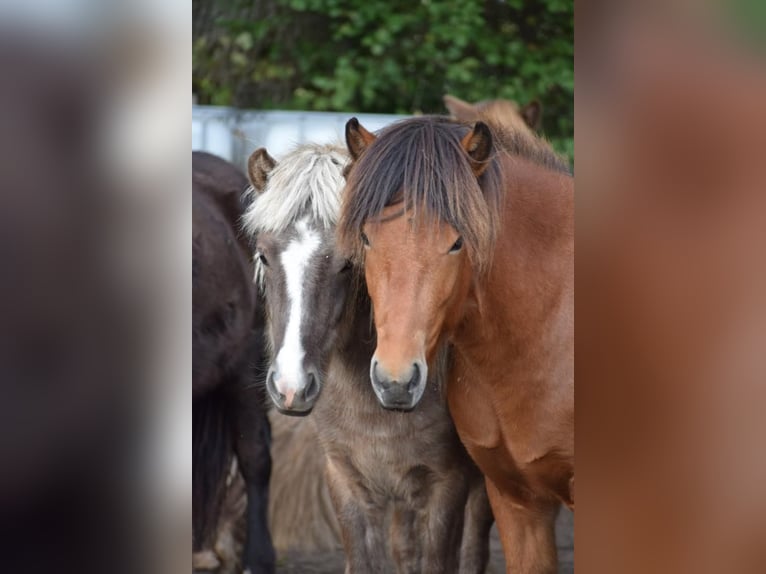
(466, 235)
(229, 406)
(407, 496)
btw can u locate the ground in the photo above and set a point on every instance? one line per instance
(332, 562)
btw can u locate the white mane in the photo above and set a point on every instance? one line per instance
(307, 181)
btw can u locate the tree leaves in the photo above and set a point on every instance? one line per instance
(393, 56)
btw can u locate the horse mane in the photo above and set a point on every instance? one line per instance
(528, 146)
(500, 112)
(420, 163)
(510, 129)
(308, 181)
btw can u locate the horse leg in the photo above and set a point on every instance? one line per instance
(253, 440)
(474, 548)
(361, 529)
(443, 518)
(527, 533)
(405, 539)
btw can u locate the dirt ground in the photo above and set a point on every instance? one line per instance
(332, 562)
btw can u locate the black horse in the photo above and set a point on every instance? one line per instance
(229, 412)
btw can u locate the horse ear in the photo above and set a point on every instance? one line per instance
(358, 139)
(461, 110)
(532, 114)
(259, 165)
(478, 145)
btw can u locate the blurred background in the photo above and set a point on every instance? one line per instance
(95, 291)
(671, 287)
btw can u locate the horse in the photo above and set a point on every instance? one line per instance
(406, 495)
(506, 113)
(465, 234)
(229, 405)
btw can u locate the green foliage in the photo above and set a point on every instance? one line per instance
(394, 56)
(747, 19)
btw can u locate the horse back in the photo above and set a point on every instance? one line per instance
(223, 301)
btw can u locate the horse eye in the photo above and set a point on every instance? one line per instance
(262, 258)
(457, 246)
(346, 266)
(365, 239)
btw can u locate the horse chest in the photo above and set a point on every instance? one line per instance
(382, 444)
(508, 434)
(474, 416)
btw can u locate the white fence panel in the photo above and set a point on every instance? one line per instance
(212, 129)
(234, 134)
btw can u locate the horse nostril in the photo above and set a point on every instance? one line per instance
(381, 379)
(374, 373)
(415, 379)
(271, 385)
(312, 387)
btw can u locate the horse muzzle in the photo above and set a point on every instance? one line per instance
(293, 399)
(402, 390)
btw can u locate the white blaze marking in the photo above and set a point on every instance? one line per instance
(294, 260)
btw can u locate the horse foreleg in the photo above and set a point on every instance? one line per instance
(527, 533)
(405, 540)
(253, 442)
(443, 520)
(474, 548)
(361, 529)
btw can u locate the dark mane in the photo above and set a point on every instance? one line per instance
(534, 149)
(421, 164)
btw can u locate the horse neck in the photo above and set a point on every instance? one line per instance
(356, 333)
(348, 400)
(532, 265)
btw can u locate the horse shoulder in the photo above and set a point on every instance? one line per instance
(472, 411)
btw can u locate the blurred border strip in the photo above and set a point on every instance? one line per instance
(671, 287)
